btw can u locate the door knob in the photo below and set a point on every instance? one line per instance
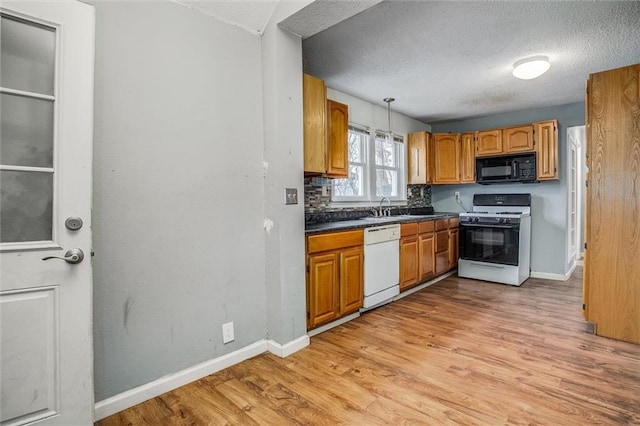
(73, 256)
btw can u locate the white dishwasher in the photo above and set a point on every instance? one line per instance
(381, 265)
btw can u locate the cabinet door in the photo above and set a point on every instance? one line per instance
(489, 142)
(314, 136)
(518, 139)
(467, 159)
(447, 158)
(417, 161)
(337, 146)
(408, 262)
(323, 289)
(426, 249)
(547, 149)
(351, 280)
(442, 252)
(453, 248)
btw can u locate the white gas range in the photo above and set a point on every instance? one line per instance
(495, 239)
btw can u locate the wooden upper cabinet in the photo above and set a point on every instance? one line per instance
(467, 159)
(314, 98)
(417, 161)
(518, 139)
(447, 158)
(547, 149)
(489, 142)
(325, 131)
(337, 145)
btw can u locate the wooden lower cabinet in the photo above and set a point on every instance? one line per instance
(426, 252)
(421, 258)
(335, 276)
(408, 262)
(351, 280)
(453, 248)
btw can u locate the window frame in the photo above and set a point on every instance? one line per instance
(370, 197)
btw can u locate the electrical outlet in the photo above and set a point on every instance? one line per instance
(325, 190)
(457, 195)
(290, 196)
(227, 332)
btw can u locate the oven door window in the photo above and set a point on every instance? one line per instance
(493, 244)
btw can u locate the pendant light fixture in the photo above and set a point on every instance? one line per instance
(389, 136)
(529, 68)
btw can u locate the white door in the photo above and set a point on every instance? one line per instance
(46, 130)
(574, 193)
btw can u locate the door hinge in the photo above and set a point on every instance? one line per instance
(586, 183)
(308, 269)
(584, 307)
(585, 246)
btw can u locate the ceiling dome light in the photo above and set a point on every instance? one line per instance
(535, 66)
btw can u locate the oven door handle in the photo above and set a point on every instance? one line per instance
(480, 225)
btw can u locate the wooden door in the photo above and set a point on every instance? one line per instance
(351, 280)
(442, 251)
(46, 347)
(314, 97)
(337, 146)
(489, 142)
(547, 149)
(613, 203)
(323, 292)
(417, 161)
(453, 248)
(447, 158)
(518, 139)
(408, 262)
(426, 248)
(467, 158)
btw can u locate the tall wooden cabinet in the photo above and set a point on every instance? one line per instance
(447, 158)
(325, 131)
(612, 266)
(547, 149)
(420, 158)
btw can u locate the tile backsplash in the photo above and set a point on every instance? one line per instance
(317, 196)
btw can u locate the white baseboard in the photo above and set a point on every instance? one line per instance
(287, 349)
(556, 277)
(124, 400)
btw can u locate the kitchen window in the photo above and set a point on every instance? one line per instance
(376, 168)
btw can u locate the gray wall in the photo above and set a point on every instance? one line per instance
(178, 192)
(549, 199)
(283, 154)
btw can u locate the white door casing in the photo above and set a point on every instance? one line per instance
(575, 138)
(46, 351)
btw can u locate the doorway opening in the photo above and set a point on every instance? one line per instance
(576, 169)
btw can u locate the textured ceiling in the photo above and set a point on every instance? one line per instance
(446, 60)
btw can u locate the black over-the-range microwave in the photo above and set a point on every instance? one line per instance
(506, 168)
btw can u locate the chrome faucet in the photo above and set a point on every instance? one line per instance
(387, 212)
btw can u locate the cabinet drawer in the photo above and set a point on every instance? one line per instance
(426, 226)
(334, 241)
(407, 229)
(454, 222)
(442, 224)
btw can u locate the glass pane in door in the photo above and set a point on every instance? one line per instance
(27, 105)
(26, 131)
(27, 56)
(26, 206)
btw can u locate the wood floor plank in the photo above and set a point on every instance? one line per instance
(461, 352)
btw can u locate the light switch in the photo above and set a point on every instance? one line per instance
(291, 196)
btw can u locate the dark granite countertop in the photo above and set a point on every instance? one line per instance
(367, 222)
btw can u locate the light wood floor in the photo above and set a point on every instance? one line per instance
(458, 352)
